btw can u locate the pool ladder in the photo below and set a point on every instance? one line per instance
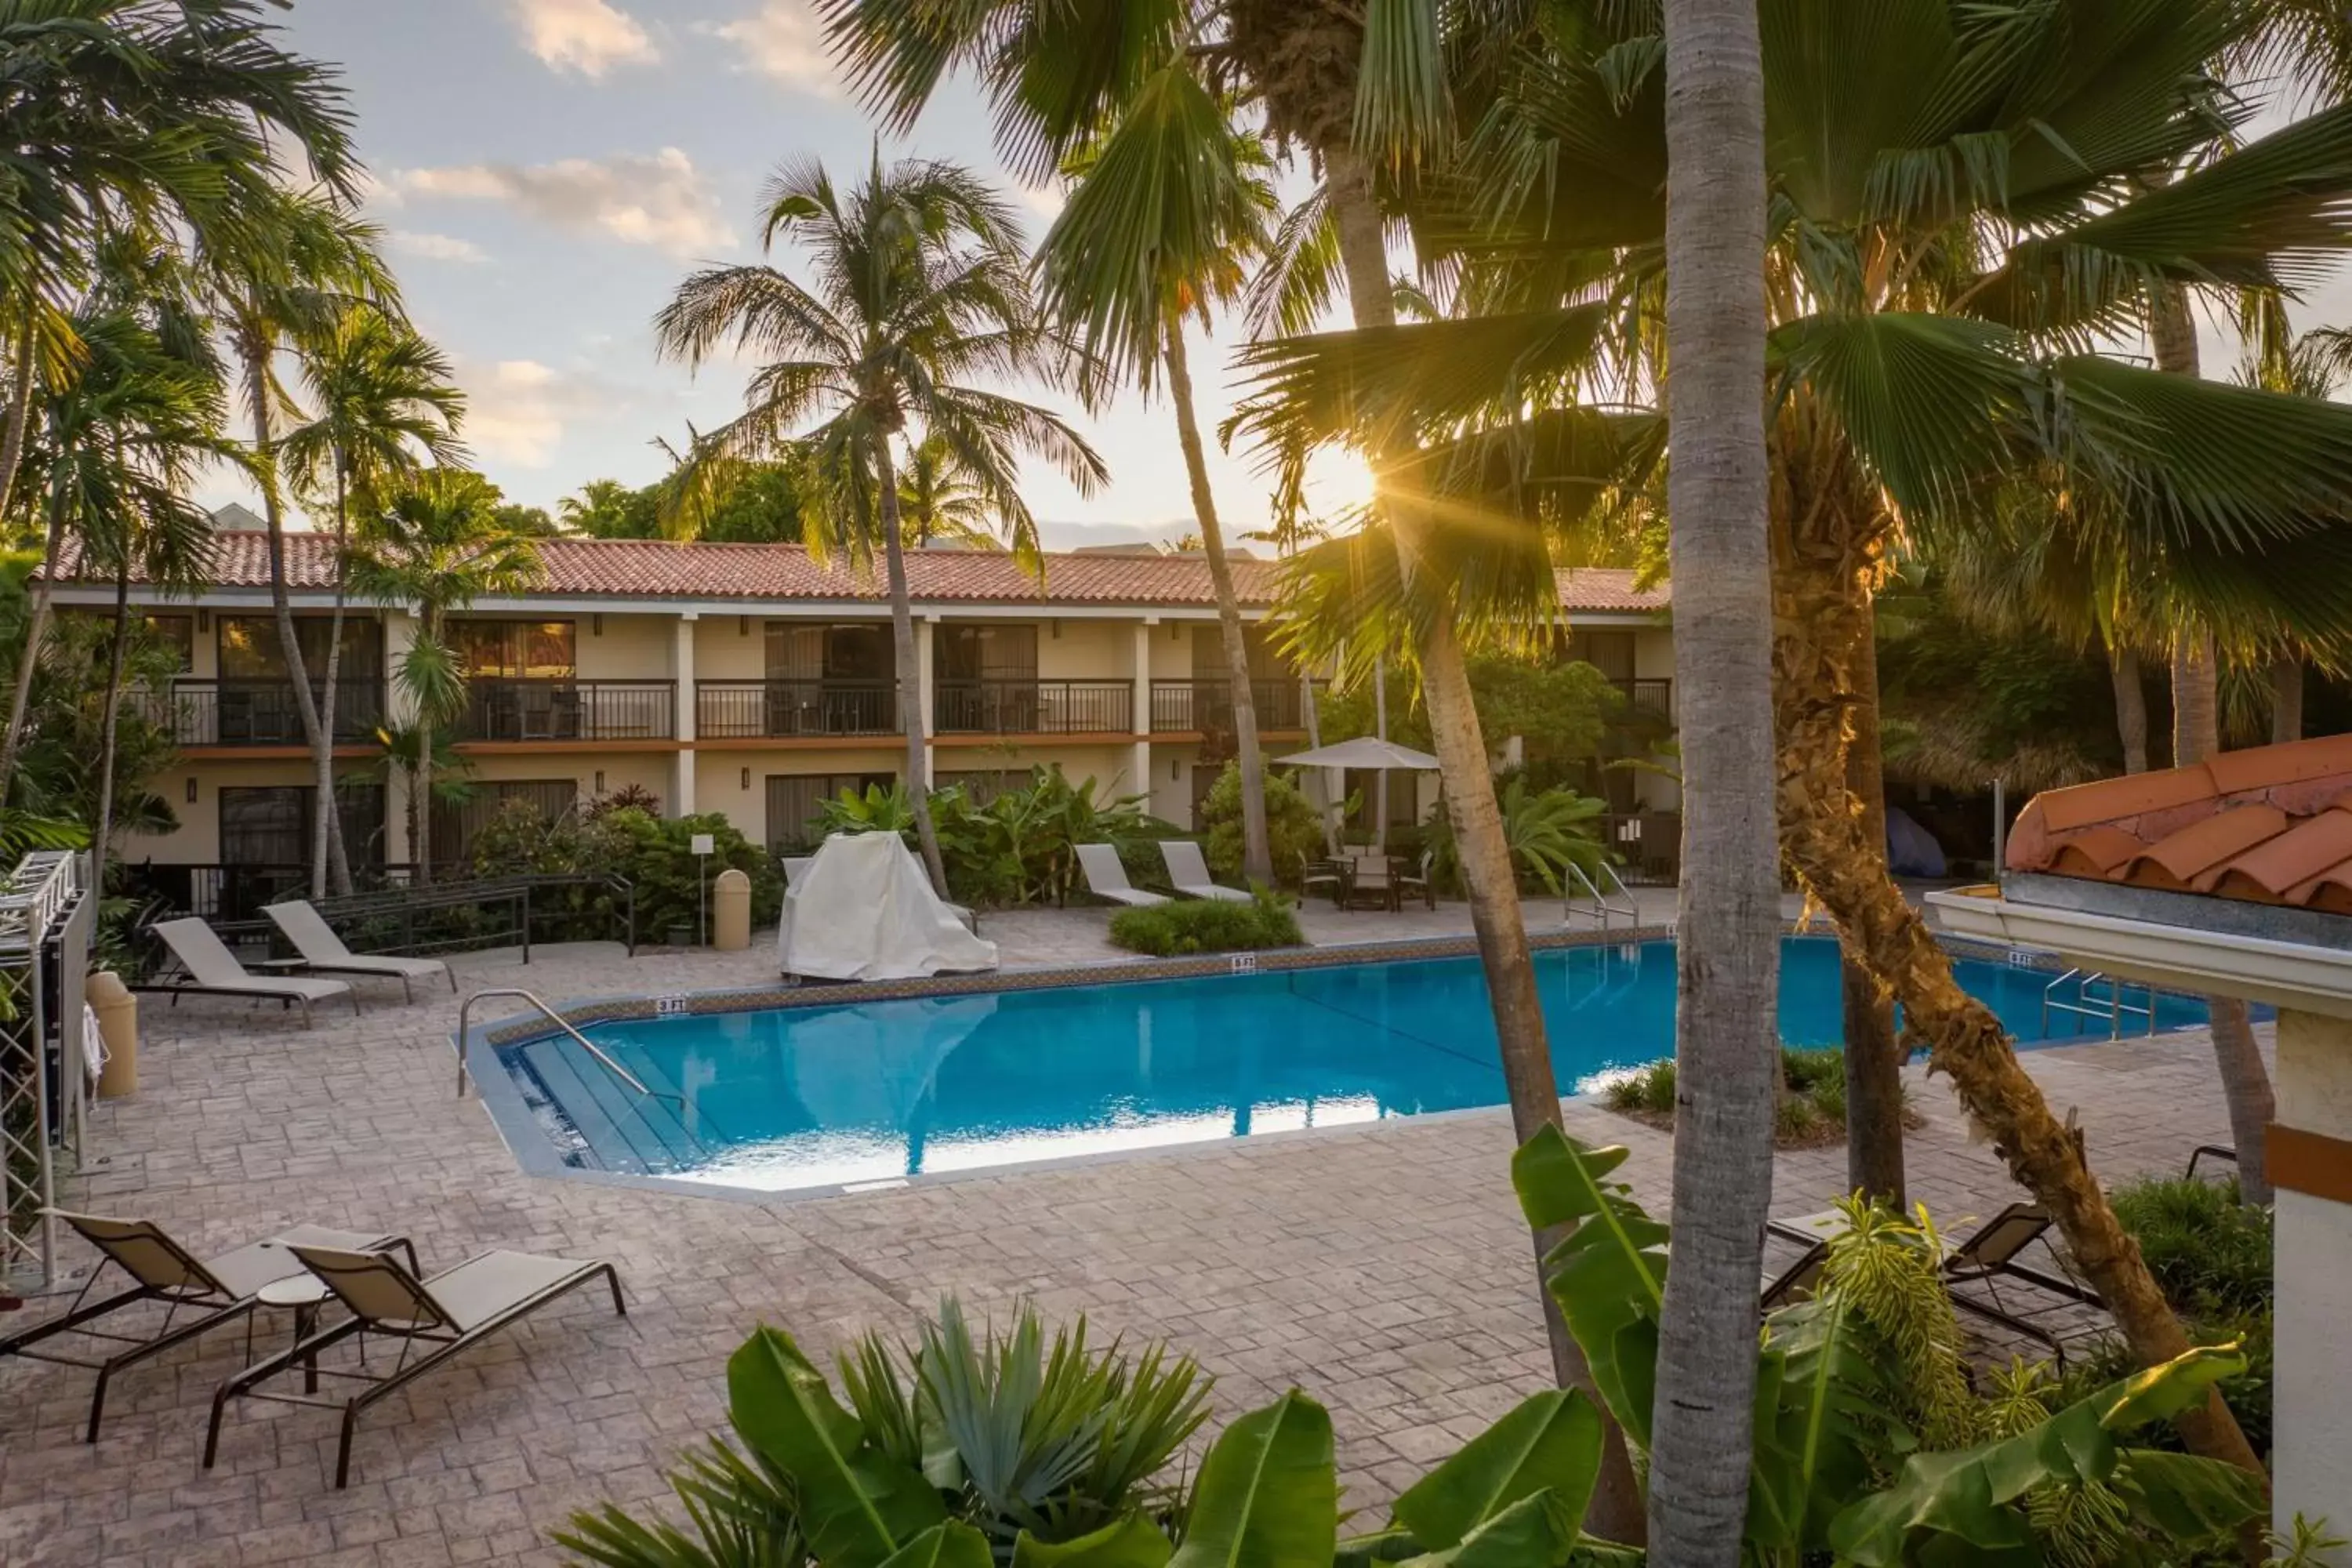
(685, 1117)
(2107, 1005)
(1604, 902)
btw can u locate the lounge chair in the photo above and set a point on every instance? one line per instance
(1798, 1281)
(219, 1289)
(2219, 1153)
(451, 1311)
(213, 969)
(1188, 873)
(1106, 877)
(323, 951)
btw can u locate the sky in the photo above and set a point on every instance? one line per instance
(547, 171)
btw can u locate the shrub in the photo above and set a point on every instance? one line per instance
(1292, 830)
(1020, 848)
(1207, 925)
(1810, 1112)
(657, 855)
(1547, 831)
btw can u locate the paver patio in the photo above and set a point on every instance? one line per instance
(1382, 1268)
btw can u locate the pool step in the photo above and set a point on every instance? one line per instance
(624, 1130)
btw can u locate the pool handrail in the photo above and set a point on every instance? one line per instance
(464, 1013)
(1602, 912)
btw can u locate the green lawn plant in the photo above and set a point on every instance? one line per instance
(1186, 926)
(987, 1450)
(1019, 847)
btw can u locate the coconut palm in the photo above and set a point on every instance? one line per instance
(1163, 217)
(1968, 195)
(379, 402)
(921, 282)
(438, 544)
(936, 498)
(169, 114)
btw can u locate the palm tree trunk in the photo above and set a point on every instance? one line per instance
(2245, 1082)
(420, 780)
(37, 629)
(1874, 1057)
(110, 724)
(2131, 707)
(2286, 700)
(257, 394)
(1258, 856)
(327, 849)
(20, 404)
(2196, 735)
(1727, 1045)
(1823, 839)
(912, 718)
(1485, 855)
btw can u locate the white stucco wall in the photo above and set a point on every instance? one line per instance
(2311, 1459)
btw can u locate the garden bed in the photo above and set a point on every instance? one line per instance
(1812, 1106)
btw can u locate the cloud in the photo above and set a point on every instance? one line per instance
(518, 411)
(437, 247)
(1045, 201)
(661, 201)
(587, 36)
(782, 40)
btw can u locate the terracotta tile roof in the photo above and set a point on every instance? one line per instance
(2272, 825)
(648, 568)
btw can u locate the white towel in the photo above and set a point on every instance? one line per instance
(94, 1056)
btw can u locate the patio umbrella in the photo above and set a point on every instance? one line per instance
(1369, 753)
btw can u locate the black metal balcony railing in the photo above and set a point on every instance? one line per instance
(754, 710)
(502, 708)
(1033, 707)
(1650, 699)
(256, 712)
(1202, 707)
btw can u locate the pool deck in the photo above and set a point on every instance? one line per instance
(1382, 1268)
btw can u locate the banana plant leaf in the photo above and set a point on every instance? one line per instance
(1268, 1496)
(1609, 1276)
(1813, 1402)
(948, 1545)
(1537, 1531)
(1549, 1444)
(1967, 1495)
(1131, 1542)
(858, 1506)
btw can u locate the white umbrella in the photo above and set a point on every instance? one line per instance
(1365, 752)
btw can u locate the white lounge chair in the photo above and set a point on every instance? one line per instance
(1106, 878)
(323, 951)
(213, 969)
(1188, 873)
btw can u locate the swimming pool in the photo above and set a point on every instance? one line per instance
(877, 1091)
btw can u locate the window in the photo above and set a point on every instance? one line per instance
(1610, 653)
(1209, 655)
(455, 822)
(526, 650)
(271, 825)
(177, 633)
(251, 649)
(859, 650)
(793, 799)
(986, 653)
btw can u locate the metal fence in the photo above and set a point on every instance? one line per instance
(498, 709)
(196, 712)
(45, 919)
(1198, 707)
(760, 710)
(1019, 707)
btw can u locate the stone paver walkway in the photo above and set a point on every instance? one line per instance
(1382, 1268)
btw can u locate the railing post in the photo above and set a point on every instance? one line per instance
(526, 922)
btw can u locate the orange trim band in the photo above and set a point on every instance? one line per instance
(2309, 1162)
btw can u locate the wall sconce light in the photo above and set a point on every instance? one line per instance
(204, 620)
(596, 625)
(1057, 630)
(1175, 771)
(746, 778)
(192, 789)
(743, 626)
(1175, 633)
(599, 781)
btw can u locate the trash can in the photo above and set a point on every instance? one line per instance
(118, 1026)
(730, 912)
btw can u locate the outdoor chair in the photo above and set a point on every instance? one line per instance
(1798, 1281)
(1188, 873)
(431, 1319)
(1106, 876)
(213, 969)
(323, 951)
(2217, 1153)
(1418, 880)
(215, 1291)
(1326, 875)
(1371, 881)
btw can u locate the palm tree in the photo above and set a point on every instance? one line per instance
(140, 113)
(1914, 377)
(288, 280)
(921, 282)
(1163, 220)
(1726, 1042)
(936, 498)
(379, 401)
(437, 545)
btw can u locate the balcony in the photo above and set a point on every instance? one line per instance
(200, 713)
(1033, 708)
(1204, 707)
(783, 710)
(1648, 699)
(560, 710)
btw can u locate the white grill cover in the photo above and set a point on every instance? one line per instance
(865, 911)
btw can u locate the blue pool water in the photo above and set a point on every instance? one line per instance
(871, 1091)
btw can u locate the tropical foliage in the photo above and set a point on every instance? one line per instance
(1293, 828)
(1017, 846)
(1549, 831)
(1185, 926)
(654, 854)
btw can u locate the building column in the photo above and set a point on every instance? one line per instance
(681, 789)
(1139, 766)
(399, 637)
(926, 695)
(2311, 1167)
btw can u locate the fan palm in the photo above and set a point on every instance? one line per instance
(920, 282)
(379, 401)
(437, 545)
(1967, 196)
(167, 113)
(1165, 214)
